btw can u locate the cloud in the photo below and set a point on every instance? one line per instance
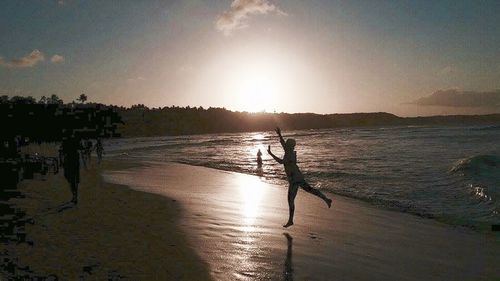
(29, 60)
(237, 15)
(456, 98)
(57, 59)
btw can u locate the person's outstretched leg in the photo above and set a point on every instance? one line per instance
(292, 193)
(316, 192)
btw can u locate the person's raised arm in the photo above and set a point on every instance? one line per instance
(274, 156)
(282, 141)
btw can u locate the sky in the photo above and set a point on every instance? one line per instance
(404, 57)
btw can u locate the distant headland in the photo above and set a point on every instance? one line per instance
(141, 121)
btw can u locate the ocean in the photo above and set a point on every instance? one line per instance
(451, 174)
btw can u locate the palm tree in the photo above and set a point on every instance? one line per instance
(43, 100)
(82, 98)
(54, 99)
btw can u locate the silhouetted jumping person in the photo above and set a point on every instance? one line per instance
(259, 159)
(294, 176)
(71, 151)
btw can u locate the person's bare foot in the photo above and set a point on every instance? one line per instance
(329, 202)
(290, 223)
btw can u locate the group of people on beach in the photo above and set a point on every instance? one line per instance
(86, 151)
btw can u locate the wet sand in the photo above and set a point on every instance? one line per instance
(234, 222)
(193, 223)
(114, 233)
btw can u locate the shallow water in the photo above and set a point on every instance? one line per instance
(448, 173)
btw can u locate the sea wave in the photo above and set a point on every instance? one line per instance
(486, 165)
(487, 128)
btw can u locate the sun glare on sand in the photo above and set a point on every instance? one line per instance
(252, 191)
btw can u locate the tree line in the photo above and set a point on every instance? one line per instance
(52, 99)
(140, 120)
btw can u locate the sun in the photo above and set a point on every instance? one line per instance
(252, 79)
(256, 85)
(256, 77)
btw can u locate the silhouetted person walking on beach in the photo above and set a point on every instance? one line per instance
(71, 164)
(294, 176)
(259, 159)
(88, 151)
(83, 154)
(99, 150)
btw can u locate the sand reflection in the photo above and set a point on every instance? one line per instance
(288, 269)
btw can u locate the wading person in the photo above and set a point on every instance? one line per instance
(294, 176)
(259, 159)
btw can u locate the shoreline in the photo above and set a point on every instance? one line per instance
(458, 188)
(227, 226)
(110, 234)
(484, 228)
(234, 220)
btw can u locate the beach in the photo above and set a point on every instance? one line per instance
(169, 221)
(244, 140)
(114, 233)
(235, 222)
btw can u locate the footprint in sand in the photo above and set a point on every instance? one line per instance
(115, 276)
(314, 236)
(88, 270)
